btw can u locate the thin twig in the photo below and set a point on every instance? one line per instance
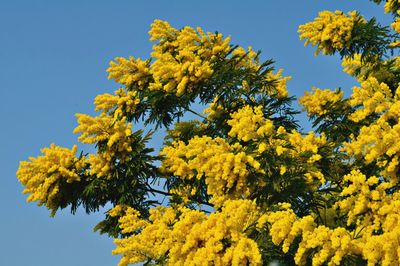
(193, 112)
(153, 190)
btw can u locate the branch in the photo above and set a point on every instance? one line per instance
(153, 190)
(193, 112)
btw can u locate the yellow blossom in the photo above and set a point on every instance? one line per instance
(190, 237)
(318, 101)
(330, 245)
(280, 86)
(225, 167)
(214, 110)
(122, 101)
(102, 128)
(248, 59)
(184, 57)
(41, 176)
(330, 31)
(374, 97)
(310, 142)
(249, 124)
(396, 26)
(392, 6)
(105, 129)
(129, 72)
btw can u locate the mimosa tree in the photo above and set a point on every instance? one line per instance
(240, 184)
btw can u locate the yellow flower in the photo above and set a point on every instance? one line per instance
(114, 133)
(396, 26)
(282, 170)
(214, 110)
(184, 57)
(225, 167)
(318, 102)
(120, 103)
(129, 72)
(249, 124)
(41, 176)
(102, 128)
(392, 6)
(248, 59)
(330, 31)
(374, 97)
(351, 64)
(189, 237)
(330, 245)
(280, 86)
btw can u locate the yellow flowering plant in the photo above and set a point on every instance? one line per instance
(239, 183)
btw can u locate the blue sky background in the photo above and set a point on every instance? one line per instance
(53, 56)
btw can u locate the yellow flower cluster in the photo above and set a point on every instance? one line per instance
(248, 123)
(396, 26)
(185, 192)
(372, 214)
(41, 176)
(214, 110)
(100, 163)
(329, 245)
(374, 97)
(330, 31)
(248, 59)
(309, 145)
(103, 128)
(225, 167)
(184, 57)
(376, 215)
(377, 141)
(359, 198)
(114, 133)
(281, 225)
(304, 149)
(315, 102)
(280, 86)
(352, 64)
(129, 218)
(392, 6)
(384, 71)
(332, 245)
(183, 236)
(383, 249)
(151, 242)
(396, 23)
(119, 103)
(129, 72)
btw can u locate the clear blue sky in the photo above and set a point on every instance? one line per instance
(53, 56)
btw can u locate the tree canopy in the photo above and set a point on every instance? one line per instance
(239, 183)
